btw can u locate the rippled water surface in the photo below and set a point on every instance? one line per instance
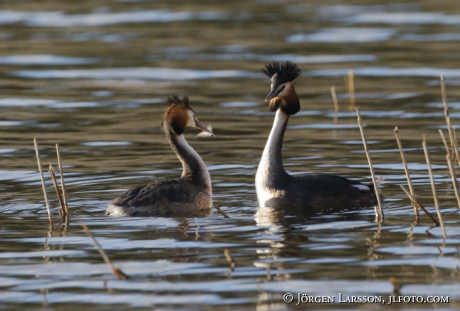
(93, 76)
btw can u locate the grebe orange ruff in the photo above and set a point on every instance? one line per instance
(275, 187)
(189, 194)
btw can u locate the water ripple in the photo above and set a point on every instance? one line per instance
(60, 19)
(431, 37)
(45, 60)
(343, 35)
(173, 74)
(147, 73)
(404, 18)
(301, 59)
(389, 72)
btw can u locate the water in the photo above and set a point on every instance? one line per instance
(94, 77)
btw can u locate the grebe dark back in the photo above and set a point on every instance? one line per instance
(189, 194)
(275, 187)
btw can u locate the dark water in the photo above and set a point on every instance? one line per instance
(93, 76)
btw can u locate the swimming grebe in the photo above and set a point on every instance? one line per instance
(191, 193)
(275, 187)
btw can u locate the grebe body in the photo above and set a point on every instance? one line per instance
(191, 194)
(275, 187)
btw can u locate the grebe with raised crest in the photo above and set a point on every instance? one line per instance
(189, 194)
(275, 187)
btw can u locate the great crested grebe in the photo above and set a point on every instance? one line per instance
(192, 192)
(275, 187)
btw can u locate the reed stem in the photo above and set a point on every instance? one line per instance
(433, 187)
(453, 141)
(221, 211)
(231, 261)
(119, 275)
(420, 206)
(456, 146)
(336, 103)
(350, 84)
(56, 187)
(406, 169)
(369, 160)
(43, 184)
(454, 178)
(444, 142)
(376, 211)
(63, 186)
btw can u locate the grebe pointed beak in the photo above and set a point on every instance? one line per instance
(272, 94)
(206, 131)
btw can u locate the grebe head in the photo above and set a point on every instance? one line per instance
(179, 115)
(283, 95)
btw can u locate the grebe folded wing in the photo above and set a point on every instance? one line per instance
(319, 193)
(160, 198)
(333, 190)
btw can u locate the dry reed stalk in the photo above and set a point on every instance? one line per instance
(64, 222)
(369, 160)
(56, 187)
(221, 211)
(63, 186)
(410, 236)
(43, 183)
(454, 178)
(268, 267)
(376, 211)
(231, 261)
(197, 233)
(396, 286)
(456, 146)
(444, 142)
(350, 84)
(406, 169)
(453, 141)
(420, 206)
(439, 250)
(119, 275)
(336, 103)
(433, 187)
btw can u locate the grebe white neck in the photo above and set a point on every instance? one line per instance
(192, 164)
(271, 172)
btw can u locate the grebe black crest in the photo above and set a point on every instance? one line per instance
(282, 93)
(275, 187)
(191, 194)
